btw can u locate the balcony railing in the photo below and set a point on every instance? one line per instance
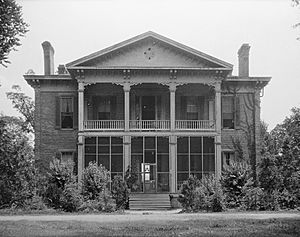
(195, 125)
(144, 125)
(149, 125)
(95, 125)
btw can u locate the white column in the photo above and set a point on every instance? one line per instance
(80, 129)
(126, 88)
(172, 88)
(172, 163)
(218, 129)
(126, 141)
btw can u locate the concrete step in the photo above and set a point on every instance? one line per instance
(147, 201)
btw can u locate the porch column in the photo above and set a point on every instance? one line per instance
(172, 88)
(172, 164)
(80, 129)
(218, 128)
(127, 142)
(126, 88)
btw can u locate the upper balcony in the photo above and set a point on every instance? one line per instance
(149, 108)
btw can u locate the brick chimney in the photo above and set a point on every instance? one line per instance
(48, 58)
(244, 60)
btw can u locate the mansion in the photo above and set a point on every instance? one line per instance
(148, 104)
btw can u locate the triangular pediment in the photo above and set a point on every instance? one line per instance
(149, 50)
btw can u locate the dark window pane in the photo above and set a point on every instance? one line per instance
(196, 145)
(149, 156)
(104, 160)
(67, 120)
(182, 163)
(162, 145)
(208, 145)
(209, 163)
(116, 163)
(117, 149)
(163, 182)
(88, 159)
(90, 140)
(196, 163)
(103, 140)
(137, 145)
(90, 149)
(103, 149)
(181, 177)
(136, 163)
(117, 140)
(149, 142)
(182, 145)
(163, 163)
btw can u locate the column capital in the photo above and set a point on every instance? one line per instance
(217, 86)
(81, 86)
(172, 87)
(126, 87)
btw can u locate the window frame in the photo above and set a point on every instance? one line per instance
(61, 112)
(234, 112)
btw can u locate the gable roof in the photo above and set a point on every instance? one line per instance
(156, 36)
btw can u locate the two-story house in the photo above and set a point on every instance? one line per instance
(149, 103)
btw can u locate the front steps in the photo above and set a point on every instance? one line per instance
(149, 201)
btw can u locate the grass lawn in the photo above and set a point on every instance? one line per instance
(153, 224)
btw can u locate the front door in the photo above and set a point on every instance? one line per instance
(148, 108)
(149, 177)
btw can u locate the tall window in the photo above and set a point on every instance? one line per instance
(191, 107)
(66, 112)
(195, 156)
(107, 151)
(104, 108)
(228, 112)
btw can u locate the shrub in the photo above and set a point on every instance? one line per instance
(103, 203)
(233, 180)
(120, 192)
(252, 198)
(205, 194)
(71, 198)
(94, 181)
(59, 175)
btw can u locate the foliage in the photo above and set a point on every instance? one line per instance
(120, 192)
(205, 194)
(17, 172)
(71, 198)
(130, 177)
(12, 27)
(94, 180)
(60, 175)
(233, 180)
(25, 105)
(252, 198)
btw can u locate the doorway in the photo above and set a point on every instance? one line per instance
(148, 108)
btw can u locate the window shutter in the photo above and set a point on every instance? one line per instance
(183, 107)
(75, 115)
(57, 112)
(113, 107)
(237, 111)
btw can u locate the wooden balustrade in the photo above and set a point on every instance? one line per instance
(103, 125)
(195, 125)
(98, 125)
(149, 125)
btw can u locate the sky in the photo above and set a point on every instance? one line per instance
(77, 28)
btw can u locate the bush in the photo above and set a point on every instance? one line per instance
(95, 180)
(233, 180)
(71, 198)
(60, 174)
(120, 192)
(252, 198)
(205, 194)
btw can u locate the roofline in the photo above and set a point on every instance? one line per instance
(148, 68)
(250, 79)
(142, 36)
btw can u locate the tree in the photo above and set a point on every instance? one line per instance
(25, 105)
(12, 27)
(295, 4)
(17, 172)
